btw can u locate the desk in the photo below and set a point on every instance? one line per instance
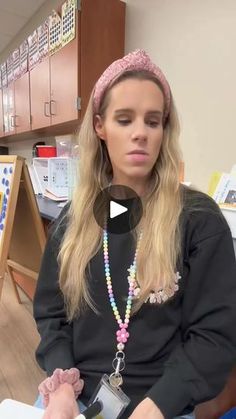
(48, 209)
(11, 409)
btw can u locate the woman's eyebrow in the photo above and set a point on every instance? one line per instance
(125, 110)
(154, 113)
(128, 110)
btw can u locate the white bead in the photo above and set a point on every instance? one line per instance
(120, 346)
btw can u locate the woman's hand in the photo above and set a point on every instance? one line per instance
(147, 409)
(62, 404)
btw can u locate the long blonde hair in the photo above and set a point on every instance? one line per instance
(160, 246)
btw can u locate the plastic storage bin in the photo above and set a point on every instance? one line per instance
(46, 151)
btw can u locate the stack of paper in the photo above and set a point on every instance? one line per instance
(12, 409)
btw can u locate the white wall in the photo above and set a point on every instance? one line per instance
(194, 42)
(24, 148)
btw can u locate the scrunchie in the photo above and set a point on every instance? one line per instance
(59, 376)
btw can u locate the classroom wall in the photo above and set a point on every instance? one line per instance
(24, 148)
(194, 43)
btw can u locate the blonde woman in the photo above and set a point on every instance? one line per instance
(159, 299)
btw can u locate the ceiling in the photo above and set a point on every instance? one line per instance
(14, 14)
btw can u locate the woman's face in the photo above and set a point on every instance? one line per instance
(132, 121)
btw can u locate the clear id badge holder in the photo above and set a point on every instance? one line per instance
(114, 400)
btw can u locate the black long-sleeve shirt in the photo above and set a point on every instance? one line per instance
(179, 353)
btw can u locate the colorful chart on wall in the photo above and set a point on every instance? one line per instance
(24, 52)
(43, 39)
(54, 32)
(33, 49)
(68, 21)
(6, 171)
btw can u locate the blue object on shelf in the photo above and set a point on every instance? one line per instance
(230, 415)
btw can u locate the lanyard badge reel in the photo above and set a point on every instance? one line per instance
(114, 400)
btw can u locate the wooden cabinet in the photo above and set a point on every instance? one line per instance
(16, 106)
(54, 88)
(8, 109)
(21, 119)
(40, 95)
(1, 115)
(101, 41)
(64, 84)
(61, 84)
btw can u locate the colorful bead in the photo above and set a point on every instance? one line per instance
(122, 335)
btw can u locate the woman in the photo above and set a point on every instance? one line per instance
(175, 308)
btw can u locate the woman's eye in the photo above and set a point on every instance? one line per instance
(153, 124)
(123, 121)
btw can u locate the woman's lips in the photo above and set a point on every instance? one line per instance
(137, 157)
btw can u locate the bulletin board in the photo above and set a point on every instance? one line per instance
(22, 235)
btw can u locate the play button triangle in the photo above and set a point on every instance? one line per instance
(116, 209)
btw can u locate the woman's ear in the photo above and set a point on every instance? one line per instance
(99, 127)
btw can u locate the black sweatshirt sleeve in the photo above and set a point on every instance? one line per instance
(197, 370)
(55, 348)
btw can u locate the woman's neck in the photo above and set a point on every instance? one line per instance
(140, 187)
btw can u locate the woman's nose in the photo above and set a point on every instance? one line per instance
(139, 132)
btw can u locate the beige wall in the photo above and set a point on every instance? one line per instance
(194, 42)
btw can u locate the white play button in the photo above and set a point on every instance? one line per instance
(116, 209)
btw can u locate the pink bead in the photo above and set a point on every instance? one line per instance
(122, 335)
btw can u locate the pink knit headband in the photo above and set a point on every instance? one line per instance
(136, 60)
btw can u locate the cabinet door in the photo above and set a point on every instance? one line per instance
(1, 115)
(5, 110)
(40, 95)
(22, 104)
(64, 83)
(9, 109)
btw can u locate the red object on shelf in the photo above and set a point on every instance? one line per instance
(46, 151)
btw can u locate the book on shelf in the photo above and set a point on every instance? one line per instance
(222, 188)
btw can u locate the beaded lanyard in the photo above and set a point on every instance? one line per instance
(122, 334)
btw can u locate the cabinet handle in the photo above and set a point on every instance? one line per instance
(15, 124)
(46, 109)
(12, 121)
(53, 105)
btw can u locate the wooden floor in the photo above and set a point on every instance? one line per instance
(19, 372)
